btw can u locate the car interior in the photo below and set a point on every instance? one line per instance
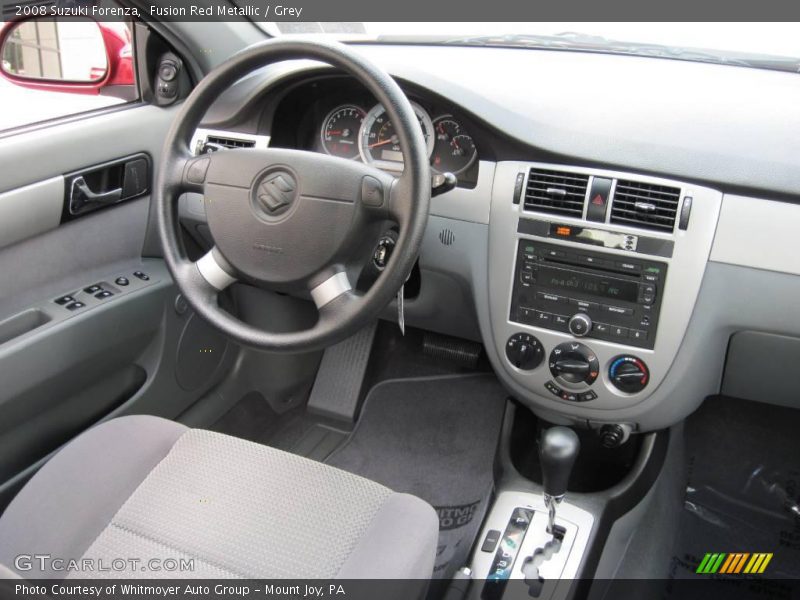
(495, 321)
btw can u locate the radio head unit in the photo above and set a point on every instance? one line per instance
(586, 293)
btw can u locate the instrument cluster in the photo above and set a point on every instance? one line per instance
(352, 131)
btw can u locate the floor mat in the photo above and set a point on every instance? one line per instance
(742, 496)
(434, 437)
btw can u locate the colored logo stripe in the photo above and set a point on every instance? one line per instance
(758, 563)
(734, 563)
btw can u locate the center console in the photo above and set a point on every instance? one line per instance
(593, 276)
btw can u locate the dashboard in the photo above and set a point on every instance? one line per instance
(605, 249)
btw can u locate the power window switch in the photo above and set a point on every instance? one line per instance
(141, 275)
(75, 305)
(103, 294)
(93, 289)
(64, 300)
(490, 541)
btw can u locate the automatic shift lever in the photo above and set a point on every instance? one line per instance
(558, 449)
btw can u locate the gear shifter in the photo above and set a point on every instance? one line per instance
(558, 449)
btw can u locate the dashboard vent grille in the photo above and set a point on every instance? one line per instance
(230, 142)
(556, 192)
(645, 205)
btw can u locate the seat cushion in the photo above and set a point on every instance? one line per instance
(237, 508)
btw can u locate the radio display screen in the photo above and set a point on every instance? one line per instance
(606, 287)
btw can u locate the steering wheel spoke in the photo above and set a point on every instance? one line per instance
(215, 270)
(331, 288)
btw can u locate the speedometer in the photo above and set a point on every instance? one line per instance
(340, 129)
(378, 142)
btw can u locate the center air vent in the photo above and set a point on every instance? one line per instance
(556, 192)
(230, 142)
(645, 205)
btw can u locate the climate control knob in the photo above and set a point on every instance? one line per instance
(524, 351)
(572, 362)
(628, 374)
(580, 324)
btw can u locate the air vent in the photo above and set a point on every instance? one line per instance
(556, 192)
(230, 142)
(645, 205)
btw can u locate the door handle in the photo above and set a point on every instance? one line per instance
(87, 195)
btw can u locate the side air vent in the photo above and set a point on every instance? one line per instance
(556, 192)
(230, 142)
(645, 205)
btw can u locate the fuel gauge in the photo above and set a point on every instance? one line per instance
(453, 149)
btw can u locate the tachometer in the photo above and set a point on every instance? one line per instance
(340, 129)
(378, 141)
(453, 150)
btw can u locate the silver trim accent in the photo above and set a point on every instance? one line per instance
(213, 273)
(331, 288)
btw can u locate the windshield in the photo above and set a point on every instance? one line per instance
(765, 45)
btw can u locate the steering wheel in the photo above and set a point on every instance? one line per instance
(289, 219)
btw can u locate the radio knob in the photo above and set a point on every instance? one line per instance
(580, 324)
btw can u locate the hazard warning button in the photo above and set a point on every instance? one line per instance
(598, 199)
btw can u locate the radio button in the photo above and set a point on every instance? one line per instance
(630, 267)
(650, 277)
(620, 333)
(551, 298)
(601, 328)
(561, 322)
(618, 310)
(584, 304)
(525, 315)
(638, 335)
(526, 277)
(648, 288)
(542, 317)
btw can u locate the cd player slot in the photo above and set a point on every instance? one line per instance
(589, 268)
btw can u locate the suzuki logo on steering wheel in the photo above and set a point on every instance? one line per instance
(277, 192)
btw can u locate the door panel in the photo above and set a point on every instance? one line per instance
(30, 210)
(64, 370)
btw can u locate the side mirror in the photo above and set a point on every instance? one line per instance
(78, 56)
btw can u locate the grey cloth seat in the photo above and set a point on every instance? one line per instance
(142, 488)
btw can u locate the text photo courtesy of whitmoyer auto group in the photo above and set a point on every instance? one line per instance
(403, 300)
